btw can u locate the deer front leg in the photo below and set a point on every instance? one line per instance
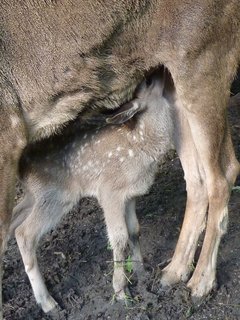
(37, 214)
(12, 142)
(197, 199)
(27, 236)
(114, 212)
(205, 109)
(134, 231)
(217, 221)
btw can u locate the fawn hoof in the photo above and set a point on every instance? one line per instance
(125, 296)
(49, 304)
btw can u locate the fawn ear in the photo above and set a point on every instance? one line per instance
(124, 113)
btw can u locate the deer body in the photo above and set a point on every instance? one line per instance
(61, 63)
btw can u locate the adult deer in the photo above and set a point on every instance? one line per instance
(59, 57)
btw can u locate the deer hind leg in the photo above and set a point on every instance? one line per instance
(203, 280)
(197, 201)
(134, 233)
(20, 212)
(114, 212)
(12, 142)
(205, 108)
(44, 214)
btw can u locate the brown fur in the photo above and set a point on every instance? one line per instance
(59, 57)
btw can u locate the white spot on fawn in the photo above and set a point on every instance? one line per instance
(109, 154)
(14, 121)
(131, 153)
(122, 159)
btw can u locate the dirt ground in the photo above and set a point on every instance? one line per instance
(76, 261)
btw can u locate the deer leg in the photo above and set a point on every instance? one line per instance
(12, 142)
(45, 213)
(203, 279)
(134, 231)
(20, 212)
(114, 212)
(205, 109)
(196, 207)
